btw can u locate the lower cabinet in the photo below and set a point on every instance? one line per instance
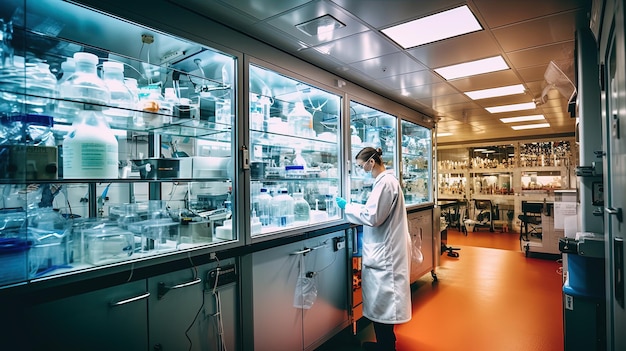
(182, 310)
(423, 238)
(114, 318)
(299, 293)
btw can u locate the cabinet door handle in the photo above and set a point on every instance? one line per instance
(305, 251)
(164, 289)
(614, 211)
(618, 270)
(125, 301)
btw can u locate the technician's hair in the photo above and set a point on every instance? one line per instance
(367, 152)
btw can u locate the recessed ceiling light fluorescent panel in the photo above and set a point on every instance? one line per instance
(440, 26)
(523, 119)
(472, 68)
(514, 107)
(531, 126)
(495, 92)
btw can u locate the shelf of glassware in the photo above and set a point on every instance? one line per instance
(370, 127)
(416, 163)
(452, 185)
(84, 228)
(294, 154)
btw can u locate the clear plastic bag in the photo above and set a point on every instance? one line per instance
(416, 250)
(305, 293)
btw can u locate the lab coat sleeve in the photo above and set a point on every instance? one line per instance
(377, 209)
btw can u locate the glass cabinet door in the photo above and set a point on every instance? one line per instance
(294, 153)
(115, 146)
(370, 128)
(416, 163)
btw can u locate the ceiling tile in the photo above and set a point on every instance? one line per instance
(542, 55)
(389, 65)
(409, 80)
(429, 90)
(262, 9)
(358, 47)
(542, 31)
(468, 47)
(498, 13)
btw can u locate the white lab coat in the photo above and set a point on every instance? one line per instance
(386, 250)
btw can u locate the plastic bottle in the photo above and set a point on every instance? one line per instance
(41, 88)
(121, 97)
(282, 209)
(300, 120)
(301, 208)
(265, 201)
(84, 86)
(331, 209)
(90, 149)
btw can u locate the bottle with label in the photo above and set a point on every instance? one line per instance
(122, 99)
(301, 209)
(264, 211)
(331, 209)
(90, 149)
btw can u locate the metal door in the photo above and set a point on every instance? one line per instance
(615, 180)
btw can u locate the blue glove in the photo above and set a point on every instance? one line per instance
(341, 202)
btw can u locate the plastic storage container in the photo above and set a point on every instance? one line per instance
(282, 209)
(107, 244)
(13, 260)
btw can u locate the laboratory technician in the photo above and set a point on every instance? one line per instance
(386, 253)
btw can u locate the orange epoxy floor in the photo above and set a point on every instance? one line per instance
(491, 298)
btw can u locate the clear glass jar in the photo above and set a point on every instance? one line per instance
(301, 208)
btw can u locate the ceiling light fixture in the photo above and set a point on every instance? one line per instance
(531, 126)
(320, 25)
(522, 119)
(466, 69)
(440, 26)
(495, 92)
(514, 107)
